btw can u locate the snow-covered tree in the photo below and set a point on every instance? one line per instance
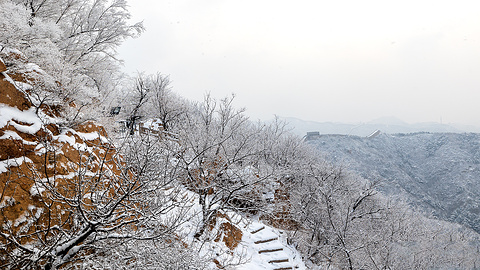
(72, 41)
(88, 28)
(219, 157)
(346, 223)
(102, 199)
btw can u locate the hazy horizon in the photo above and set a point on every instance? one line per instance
(341, 61)
(388, 125)
(385, 118)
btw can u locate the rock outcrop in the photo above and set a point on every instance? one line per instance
(47, 172)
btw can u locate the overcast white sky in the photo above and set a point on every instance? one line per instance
(335, 60)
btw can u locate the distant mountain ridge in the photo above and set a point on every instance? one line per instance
(440, 172)
(389, 125)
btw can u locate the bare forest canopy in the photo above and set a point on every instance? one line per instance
(438, 172)
(101, 170)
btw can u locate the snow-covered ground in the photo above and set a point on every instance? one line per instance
(268, 249)
(262, 247)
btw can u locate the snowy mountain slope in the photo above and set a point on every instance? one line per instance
(438, 171)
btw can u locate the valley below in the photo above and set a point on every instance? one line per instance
(437, 172)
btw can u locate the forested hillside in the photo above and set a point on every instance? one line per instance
(105, 170)
(438, 171)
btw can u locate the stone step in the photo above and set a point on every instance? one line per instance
(269, 245)
(269, 250)
(257, 230)
(266, 240)
(278, 261)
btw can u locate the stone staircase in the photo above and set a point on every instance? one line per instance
(270, 248)
(265, 247)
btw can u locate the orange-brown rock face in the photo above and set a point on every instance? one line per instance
(229, 234)
(47, 174)
(11, 96)
(3, 68)
(226, 231)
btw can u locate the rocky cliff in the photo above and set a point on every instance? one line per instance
(47, 171)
